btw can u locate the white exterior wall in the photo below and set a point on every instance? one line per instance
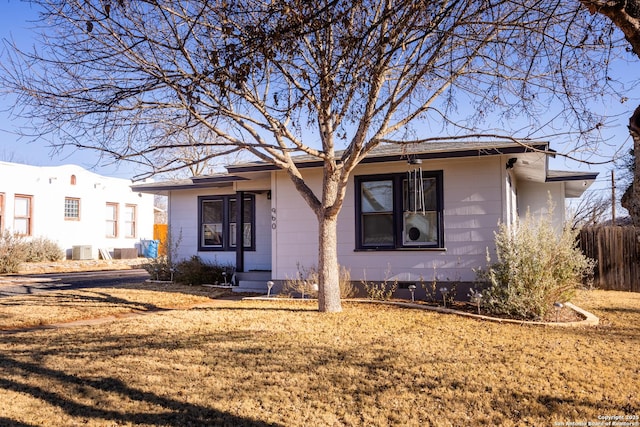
(49, 186)
(533, 197)
(473, 206)
(183, 219)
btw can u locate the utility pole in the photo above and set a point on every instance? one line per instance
(613, 198)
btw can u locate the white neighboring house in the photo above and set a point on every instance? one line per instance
(442, 227)
(81, 211)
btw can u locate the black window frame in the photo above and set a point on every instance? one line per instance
(226, 215)
(397, 188)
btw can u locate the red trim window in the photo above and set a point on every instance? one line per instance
(22, 213)
(111, 220)
(130, 220)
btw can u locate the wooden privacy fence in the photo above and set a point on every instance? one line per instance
(617, 253)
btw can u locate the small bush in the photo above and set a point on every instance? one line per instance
(347, 288)
(160, 268)
(535, 268)
(304, 284)
(381, 290)
(194, 271)
(13, 252)
(306, 281)
(41, 249)
(430, 288)
(163, 267)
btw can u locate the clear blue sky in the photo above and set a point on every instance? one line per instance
(16, 19)
(14, 23)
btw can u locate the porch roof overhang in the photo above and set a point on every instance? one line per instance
(575, 182)
(208, 181)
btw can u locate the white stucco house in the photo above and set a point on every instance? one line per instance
(419, 211)
(82, 211)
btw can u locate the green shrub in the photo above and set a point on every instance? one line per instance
(194, 271)
(535, 268)
(41, 249)
(13, 252)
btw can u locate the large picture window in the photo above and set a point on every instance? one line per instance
(217, 223)
(398, 211)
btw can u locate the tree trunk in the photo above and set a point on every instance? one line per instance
(631, 198)
(624, 14)
(328, 274)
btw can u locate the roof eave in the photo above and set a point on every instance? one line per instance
(476, 152)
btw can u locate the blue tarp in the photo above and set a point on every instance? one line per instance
(150, 248)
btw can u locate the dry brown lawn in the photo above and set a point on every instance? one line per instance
(262, 363)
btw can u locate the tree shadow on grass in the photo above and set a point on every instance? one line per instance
(82, 299)
(619, 310)
(258, 309)
(13, 423)
(171, 412)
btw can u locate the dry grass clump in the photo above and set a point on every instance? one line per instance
(283, 363)
(305, 283)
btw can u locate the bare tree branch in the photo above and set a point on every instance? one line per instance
(287, 77)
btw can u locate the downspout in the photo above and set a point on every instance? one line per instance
(239, 231)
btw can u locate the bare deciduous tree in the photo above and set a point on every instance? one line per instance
(332, 79)
(626, 16)
(591, 209)
(193, 152)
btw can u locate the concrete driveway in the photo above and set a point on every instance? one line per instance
(34, 283)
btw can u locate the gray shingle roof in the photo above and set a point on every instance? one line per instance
(382, 153)
(426, 150)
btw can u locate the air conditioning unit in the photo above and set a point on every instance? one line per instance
(81, 252)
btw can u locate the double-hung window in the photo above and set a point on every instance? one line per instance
(217, 223)
(111, 220)
(22, 211)
(396, 211)
(130, 217)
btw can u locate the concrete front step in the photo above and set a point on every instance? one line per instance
(249, 290)
(251, 286)
(252, 281)
(253, 276)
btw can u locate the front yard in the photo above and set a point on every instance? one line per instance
(262, 363)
